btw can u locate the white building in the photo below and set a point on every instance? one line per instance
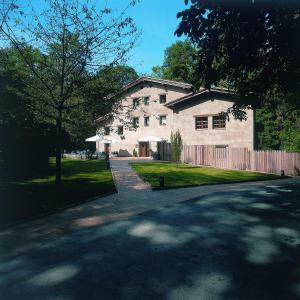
(160, 106)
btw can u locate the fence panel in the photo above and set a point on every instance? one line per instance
(165, 151)
(235, 158)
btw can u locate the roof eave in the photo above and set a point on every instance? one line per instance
(204, 91)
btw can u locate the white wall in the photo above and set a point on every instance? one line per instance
(236, 134)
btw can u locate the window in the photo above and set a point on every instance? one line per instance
(136, 122)
(136, 102)
(162, 120)
(120, 130)
(146, 121)
(162, 98)
(218, 122)
(146, 100)
(201, 123)
(106, 130)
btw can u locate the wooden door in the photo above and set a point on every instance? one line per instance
(144, 149)
(107, 148)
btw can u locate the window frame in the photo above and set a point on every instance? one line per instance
(106, 130)
(165, 101)
(136, 102)
(202, 127)
(148, 118)
(120, 126)
(221, 123)
(160, 120)
(144, 100)
(136, 122)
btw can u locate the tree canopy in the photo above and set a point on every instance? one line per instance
(62, 48)
(179, 63)
(250, 44)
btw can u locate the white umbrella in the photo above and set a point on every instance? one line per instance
(106, 140)
(93, 138)
(150, 139)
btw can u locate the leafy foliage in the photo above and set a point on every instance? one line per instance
(62, 48)
(179, 63)
(250, 44)
(176, 145)
(278, 128)
(26, 140)
(250, 47)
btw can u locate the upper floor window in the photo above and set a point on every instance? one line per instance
(146, 121)
(120, 130)
(201, 122)
(162, 120)
(146, 100)
(162, 98)
(136, 122)
(218, 122)
(136, 102)
(106, 130)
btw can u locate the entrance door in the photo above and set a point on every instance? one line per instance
(144, 149)
(107, 148)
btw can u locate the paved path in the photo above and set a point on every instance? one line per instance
(79, 253)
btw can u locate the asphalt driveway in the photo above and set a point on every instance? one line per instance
(239, 243)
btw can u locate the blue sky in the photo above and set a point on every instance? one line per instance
(157, 20)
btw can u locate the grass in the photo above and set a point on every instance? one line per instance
(26, 198)
(186, 175)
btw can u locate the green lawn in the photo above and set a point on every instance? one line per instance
(186, 175)
(26, 198)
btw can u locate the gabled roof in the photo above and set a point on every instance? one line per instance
(165, 82)
(147, 79)
(202, 91)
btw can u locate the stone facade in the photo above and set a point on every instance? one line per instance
(180, 116)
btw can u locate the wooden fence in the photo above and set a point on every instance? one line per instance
(165, 151)
(236, 158)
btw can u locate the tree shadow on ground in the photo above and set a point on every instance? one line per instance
(242, 244)
(22, 199)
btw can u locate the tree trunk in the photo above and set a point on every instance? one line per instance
(58, 152)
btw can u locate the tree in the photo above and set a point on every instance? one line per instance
(278, 128)
(63, 47)
(6, 6)
(176, 145)
(250, 44)
(81, 120)
(21, 129)
(119, 76)
(179, 63)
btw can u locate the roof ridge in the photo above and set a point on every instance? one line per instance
(162, 79)
(198, 92)
(158, 80)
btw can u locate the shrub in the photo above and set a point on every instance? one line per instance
(176, 144)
